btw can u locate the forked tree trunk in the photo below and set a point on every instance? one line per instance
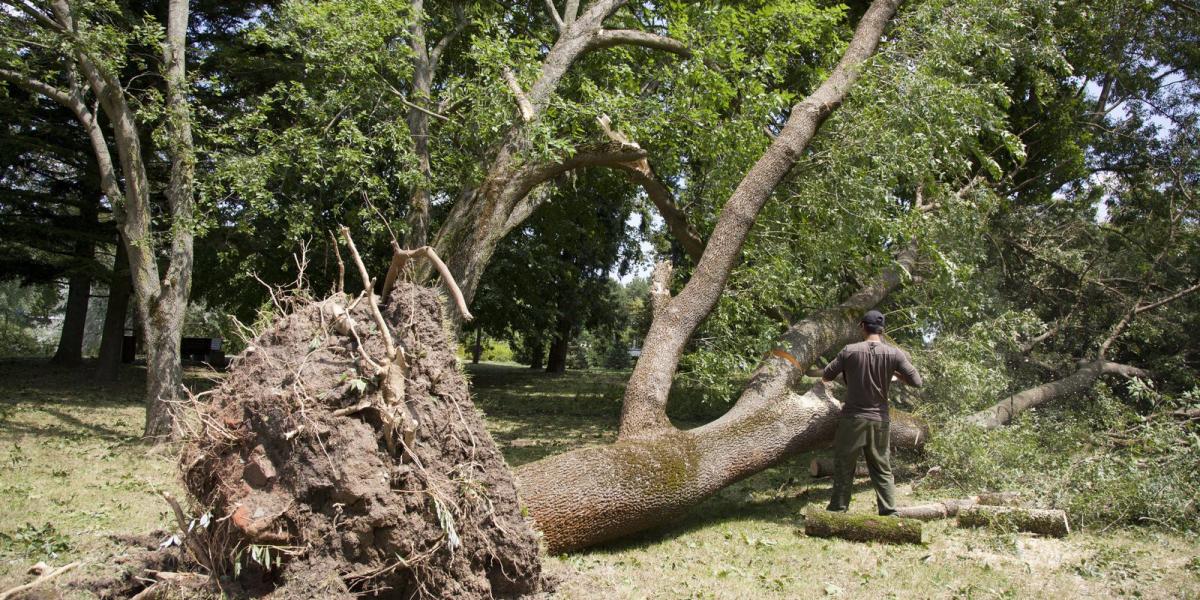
(112, 340)
(654, 471)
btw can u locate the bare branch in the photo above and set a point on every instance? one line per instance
(558, 22)
(644, 408)
(435, 55)
(607, 38)
(400, 257)
(42, 18)
(369, 286)
(1169, 299)
(640, 172)
(39, 87)
(514, 86)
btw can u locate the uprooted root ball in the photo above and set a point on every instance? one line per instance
(292, 457)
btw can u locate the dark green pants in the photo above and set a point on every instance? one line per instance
(854, 433)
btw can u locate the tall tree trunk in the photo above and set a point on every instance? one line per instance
(164, 371)
(79, 284)
(477, 350)
(537, 354)
(560, 346)
(654, 470)
(79, 288)
(108, 365)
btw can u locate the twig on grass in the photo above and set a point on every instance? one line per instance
(42, 578)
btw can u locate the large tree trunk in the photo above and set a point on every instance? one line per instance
(1003, 412)
(164, 374)
(587, 496)
(654, 471)
(112, 340)
(79, 291)
(560, 347)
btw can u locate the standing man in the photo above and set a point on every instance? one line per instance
(867, 367)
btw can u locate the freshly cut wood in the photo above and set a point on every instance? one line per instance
(823, 467)
(863, 527)
(935, 510)
(1052, 522)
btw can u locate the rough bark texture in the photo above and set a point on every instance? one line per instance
(160, 297)
(654, 471)
(1050, 522)
(1003, 412)
(936, 510)
(292, 453)
(79, 291)
(108, 364)
(863, 528)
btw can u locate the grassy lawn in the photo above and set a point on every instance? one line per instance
(74, 475)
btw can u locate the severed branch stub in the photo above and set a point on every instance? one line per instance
(400, 257)
(390, 373)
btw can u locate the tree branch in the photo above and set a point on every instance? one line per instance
(1002, 413)
(514, 86)
(644, 407)
(558, 22)
(39, 87)
(640, 172)
(608, 38)
(1169, 299)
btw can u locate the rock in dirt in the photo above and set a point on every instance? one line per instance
(291, 457)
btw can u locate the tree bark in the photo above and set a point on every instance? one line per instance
(477, 349)
(79, 292)
(1050, 522)
(934, 510)
(108, 365)
(1003, 412)
(863, 528)
(654, 471)
(560, 346)
(537, 354)
(165, 387)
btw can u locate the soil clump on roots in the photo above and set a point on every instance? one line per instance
(315, 493)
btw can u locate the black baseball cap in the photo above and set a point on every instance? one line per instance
(873, 318)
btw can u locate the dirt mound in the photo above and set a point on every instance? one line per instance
(310, 496)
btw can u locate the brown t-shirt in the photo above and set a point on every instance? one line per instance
(868, 367)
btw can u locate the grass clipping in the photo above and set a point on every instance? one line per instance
(297, 456)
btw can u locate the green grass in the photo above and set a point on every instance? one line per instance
(73, 473)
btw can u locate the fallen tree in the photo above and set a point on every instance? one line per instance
(342, 456)
(1086, 373)
(654, 470)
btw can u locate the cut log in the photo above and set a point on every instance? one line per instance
(1050, 522)
(823, 467)
(863, 528)
(935, 510)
